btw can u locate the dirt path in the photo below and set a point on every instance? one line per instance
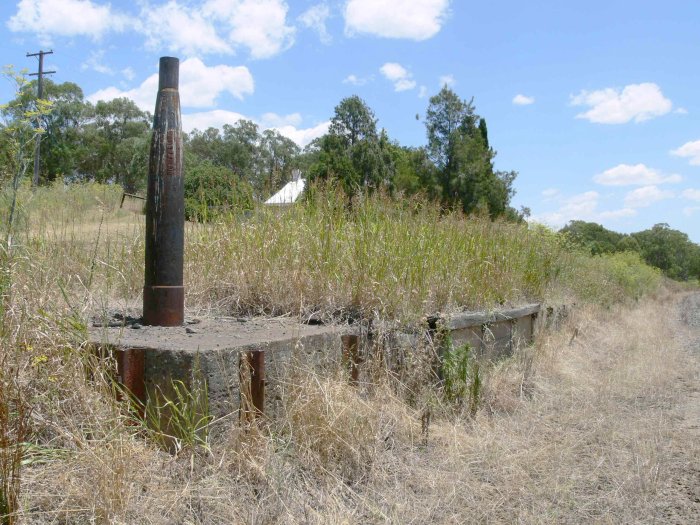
(680, 497)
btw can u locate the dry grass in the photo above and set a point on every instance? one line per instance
(316, 257)
(75, 248)
(573, 430)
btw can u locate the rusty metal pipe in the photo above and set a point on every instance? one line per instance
(163, 291)
(252, 381)
(131, 364)
(351, 356)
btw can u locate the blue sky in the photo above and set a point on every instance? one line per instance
(594, 103)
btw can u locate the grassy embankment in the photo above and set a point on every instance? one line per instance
(339, 454)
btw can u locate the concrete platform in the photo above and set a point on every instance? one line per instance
(210, 350)
(214, 350)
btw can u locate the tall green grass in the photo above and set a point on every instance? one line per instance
(373, 256)
(400, 260)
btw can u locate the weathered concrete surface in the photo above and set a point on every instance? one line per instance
(494, 334)
(211, 350)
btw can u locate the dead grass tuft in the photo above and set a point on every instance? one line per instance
(572, 430)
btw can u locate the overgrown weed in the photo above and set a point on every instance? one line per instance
(572, 429)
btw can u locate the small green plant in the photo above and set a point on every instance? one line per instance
(14, 428)
(180, 421)
(461, 376)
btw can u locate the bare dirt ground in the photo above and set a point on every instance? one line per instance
(680, 495)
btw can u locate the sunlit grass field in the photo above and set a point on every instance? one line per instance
(370, 257)
(70, 452)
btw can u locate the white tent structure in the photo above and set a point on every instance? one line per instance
(291, 191)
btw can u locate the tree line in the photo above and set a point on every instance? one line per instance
(660, 246)
(239, 164)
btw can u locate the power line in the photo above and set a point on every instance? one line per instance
(40, 94)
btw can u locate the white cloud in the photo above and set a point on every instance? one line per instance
(617, 214)
(413, 20)
(260, 25)
(315, 18)
(404, 84)
(689, 211)
(273, 120)
(189, 28)
(689, 150)
(583, 206)
(303, 136)
(523, 100)
(200, 85)
(422, 92)
(129, 73)
(66, 18)
(447, 80)
(393, 71)
(215, 118)
(143, 96)
(638, 102)
(287, 126)
(180, 28)
(633, 175)
(646, 196)
(681, 111)
(550, 193)
(691, 194)
(96, 63)
(397, 74)
(355, 80)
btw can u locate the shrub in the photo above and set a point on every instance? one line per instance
(212, 190)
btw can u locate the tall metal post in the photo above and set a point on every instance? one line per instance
(163, 292)
(40, 94)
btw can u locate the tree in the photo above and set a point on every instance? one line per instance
(670, 250)
(593, 237)
(458, 146)
(60, 139)
(211, 190)
(352, 152)
(446, 120)
(276, 159)
(21, 124)
(484, 132)
(240, 150)
(207, 145)
(415, 172)
(354, 121)
(115, 141)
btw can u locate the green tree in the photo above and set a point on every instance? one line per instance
(115, 141)
(353, 152)
(211, 190)
(670, 250)
(276, 159)
(21, 123)
(354, 121)
(241, 143)
(415, 172)
(484, 131)
(594, 237)
(458, 146)
(207, 145)
(61, 137)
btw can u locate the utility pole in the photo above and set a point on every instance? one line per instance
(40, 94)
